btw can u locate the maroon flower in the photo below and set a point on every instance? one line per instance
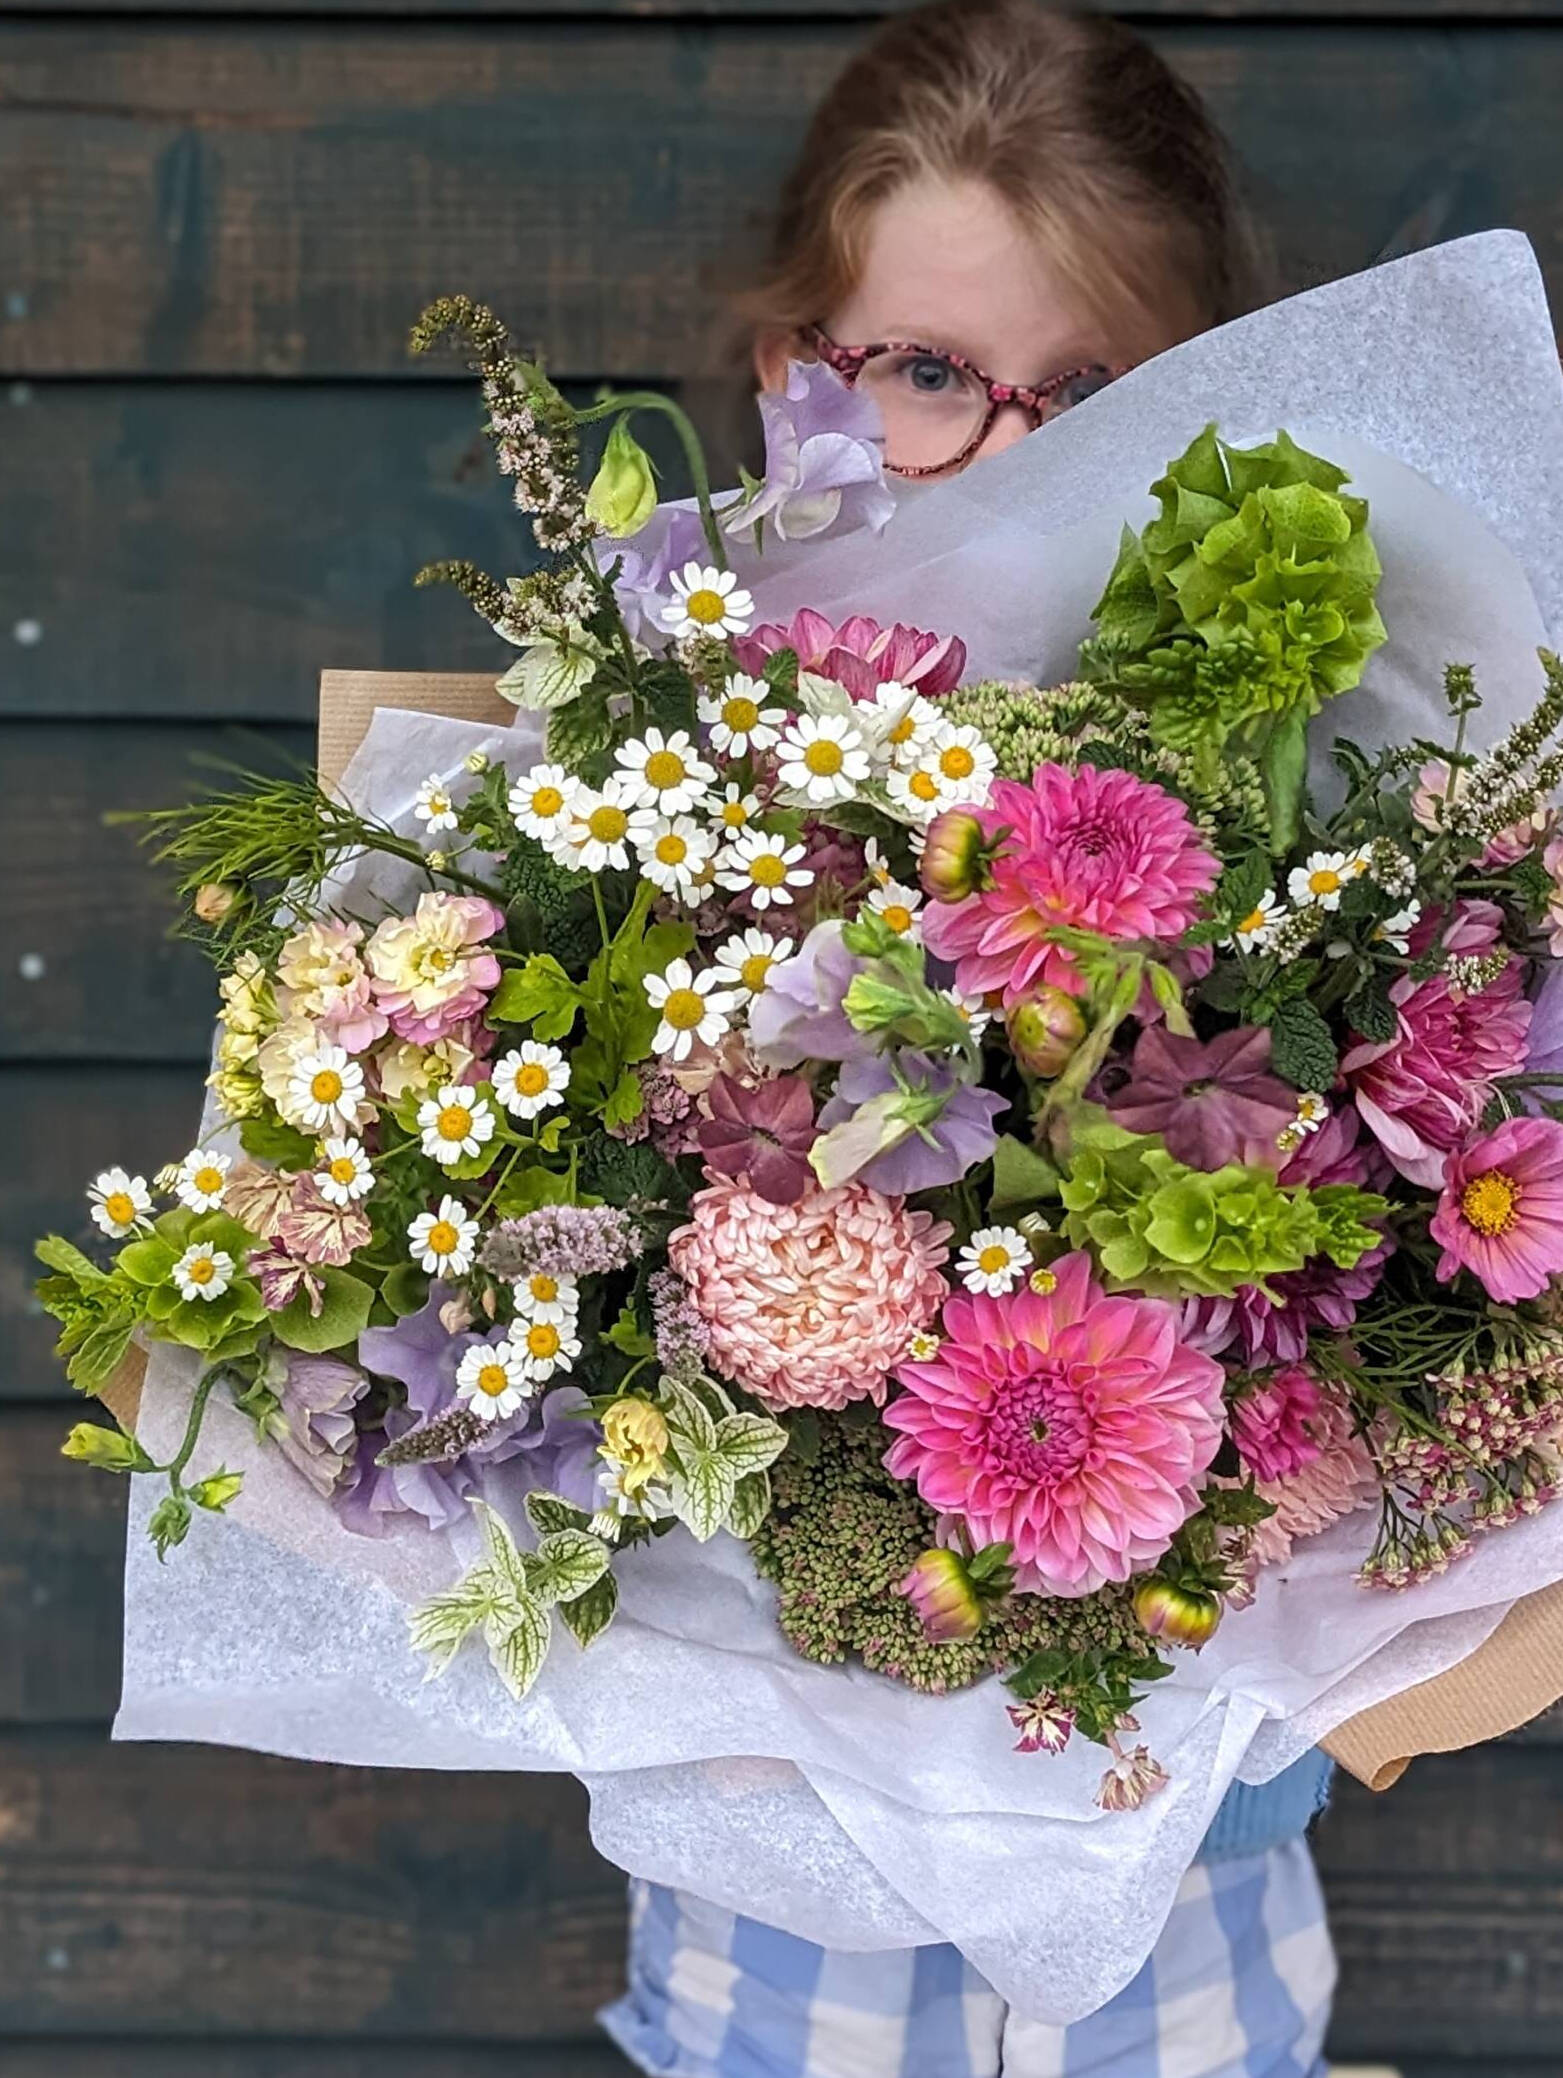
(1212, 1102)
(763, 1134)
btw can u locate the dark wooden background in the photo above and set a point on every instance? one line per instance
(217, 473)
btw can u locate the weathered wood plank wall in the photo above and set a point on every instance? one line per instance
(217, 472)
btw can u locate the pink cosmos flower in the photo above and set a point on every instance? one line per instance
(1501, 1212)
(1422, 1092)
(1337, 1481)
(1068, 1424)
(860, 654)
(1102, 851)
(430, 970)
(1273, 1425)
(810, 1304)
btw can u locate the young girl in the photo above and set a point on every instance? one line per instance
(997, 209)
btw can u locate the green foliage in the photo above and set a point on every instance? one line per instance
(1101, 1686)
(550, 907)
(581, 734)
(1370, 1013)
(1302, 1051)
(280, 1145)
(111, 1450)
(710, 1456)
(1022, 1177)
(343, 1316)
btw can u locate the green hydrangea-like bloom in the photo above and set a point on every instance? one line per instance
(842, 1535)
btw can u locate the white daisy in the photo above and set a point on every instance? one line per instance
(923, 1346)
(674, 851)
(444, 1243)
(964, 760)
(732, 810)
(916, 791)
(744, 962)
(994, 1260)
(433, 805)
(454, 1122)
(692, 1006)
(1395, 931)
(546, 1346)
(625, 1496)
(347, 1175)
(493, 1379)
(823, 758)
(903, 722)
(202, 1272)
(764, 867)
(1312, 1111)
(738, 718)
(541, 1296)
(325, 1089)
(878, 865)
(530, 1078)
(663, 772)
(708, 602)
(540, 801)
(120, 1202)
(1323, 879)
(595, 834)
(203, 1177)
(1258, 928)
(973, 1008)
(898, 904)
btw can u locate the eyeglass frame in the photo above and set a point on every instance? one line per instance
(1031, 398)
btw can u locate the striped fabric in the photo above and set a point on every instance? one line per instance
(1238, 1987)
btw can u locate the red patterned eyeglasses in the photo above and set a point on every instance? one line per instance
(937, 406)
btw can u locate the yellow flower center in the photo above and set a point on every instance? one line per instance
(767, 869)
(544, 1289)
(1489, 1201)
(957, 762)
(665, 768)
(343, 1169)
(1324, 880)
(897, 916)
(740, 714)
(202, 1270)
(993, 1258)
(608, 823)
(1042, 1282)
(493, 1380)
(924, 786)
(1254, 921)
(542, 1339)
(547, 801)
(754, 970)
(706, 607)
(823, 758)
(208, 1180)
(325, 1086)
(438, 804)
(454, 1122)
(734, 815)
(684, 1009)
(903, 730)
(672, 850)
(120, 1207)
(443, 1238)
(532, 1080)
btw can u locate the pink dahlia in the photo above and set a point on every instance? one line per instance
(1337, 1481)
(810, 1304)
(1068, 1424)
(1102, 851)
(1273, 1425)
(1422, 1092)
(860, 654)
(1501, 1213)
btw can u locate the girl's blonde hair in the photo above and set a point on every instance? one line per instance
(1073, 120)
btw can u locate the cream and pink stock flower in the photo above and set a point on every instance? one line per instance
(321, 977)
(1096, 850)
(432, 970)
(1070, 1425)
(1501, 1211)
(810, 1304)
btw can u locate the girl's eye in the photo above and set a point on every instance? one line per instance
(929, 376)
(1084, 383)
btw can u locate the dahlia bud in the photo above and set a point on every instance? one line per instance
(1044, 1031)
(214, 901)
(955, 856)
(945, 1597)
(1181, 1615)
(623, 494)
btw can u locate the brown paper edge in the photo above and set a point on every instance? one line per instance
(1510, 1679)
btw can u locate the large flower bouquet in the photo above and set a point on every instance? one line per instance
(1008, 1153)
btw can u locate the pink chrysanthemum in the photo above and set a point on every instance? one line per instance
(810, 1304)
(860, 654)
(1336, 1482)
(1068, 1424)
(1501, 1212)
(1102, 851)
(1273, 1425)
(1422, 1092)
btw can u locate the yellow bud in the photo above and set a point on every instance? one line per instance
(623, 495)
(635, 1436)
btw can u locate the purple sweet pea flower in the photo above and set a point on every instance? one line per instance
(957, 1134)
(672, 537)
(824, 460)
(1544, 1042)
(798, 1016)
(318, 1435)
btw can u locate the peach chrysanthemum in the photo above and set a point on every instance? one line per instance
(810, 1304)
(1337, 1482)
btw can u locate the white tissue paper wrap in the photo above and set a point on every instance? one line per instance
(829, 1801)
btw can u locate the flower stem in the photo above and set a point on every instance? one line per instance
(626, 401)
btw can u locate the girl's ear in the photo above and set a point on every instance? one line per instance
(772, 351)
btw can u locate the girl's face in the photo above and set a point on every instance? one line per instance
(947, 266)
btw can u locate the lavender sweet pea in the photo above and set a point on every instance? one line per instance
(911, 1126)
(799, 1017)
(824, 461)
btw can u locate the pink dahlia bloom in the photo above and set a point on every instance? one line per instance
(1501, 1213)
(860, 654)
(1102, 851)
(1337, 1481)
(1070, 1425)
(1422, 1092)
(432, 971)
(810, 1304)
(1273, 1426)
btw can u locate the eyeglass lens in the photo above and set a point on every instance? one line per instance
(933, 410)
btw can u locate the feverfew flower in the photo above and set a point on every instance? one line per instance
(595, 835)
(454, 1124)
(540, 1295)
(120, 1203)
(547, 1346)
(764, 867)
(433, 805)
(964, 761)
(203, 1272)
(1395, 931)
(738, 718)
(973, 1008)
(916, 791)
(733, 809)
(663, 772)
(325, 1089)
(444, 1242)
(898, 905)
(693, 1007)
(540, 801)
(493, 1379)
(530, 1078)
(1324, 877)
(823, 758)
(744, 962)
(994, 1260)
(708, 602)
(902, 722)
(1257, 929)
(674, 851)
(202, 1179)
(347, 1175)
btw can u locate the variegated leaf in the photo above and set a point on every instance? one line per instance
(500, 1547)
(749, 1442)
(590, 1614)
(751, 1504)
(566, 1564)
(441, 1624)
(517, 1632)
(702, 1490)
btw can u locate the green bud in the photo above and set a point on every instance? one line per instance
(109, 1449)
(170, 1524)
(1045, 1030)
(216, 1491)
(623, 494)
(1181, 1615)
(942, 1591)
